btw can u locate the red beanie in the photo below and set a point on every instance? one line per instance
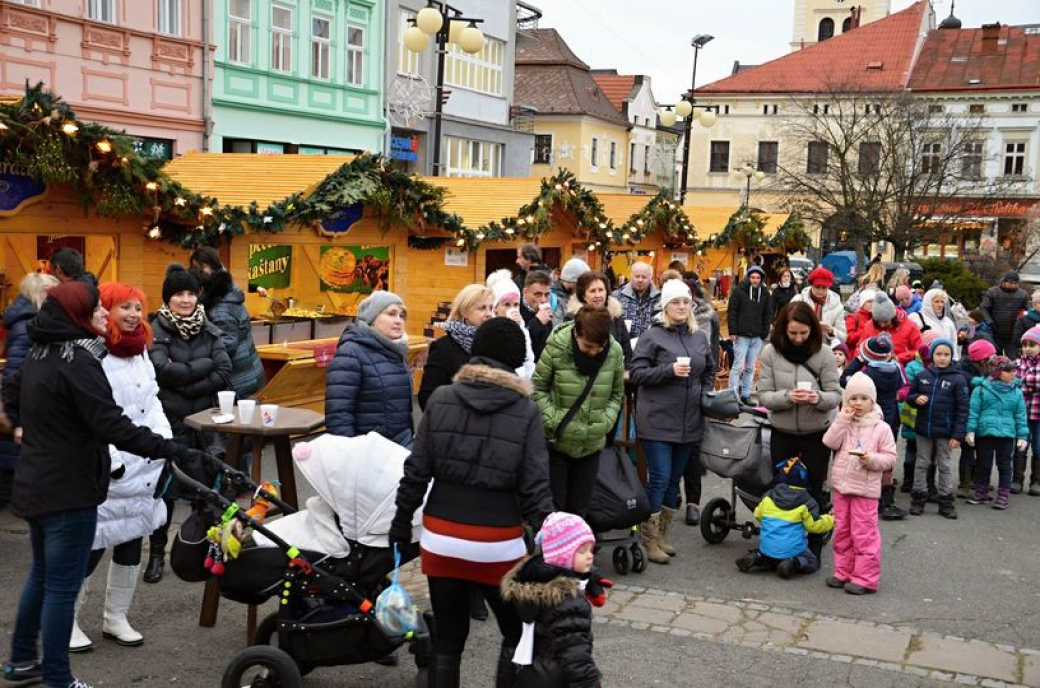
(78, 301)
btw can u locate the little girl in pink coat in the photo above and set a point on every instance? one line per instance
(863, 450)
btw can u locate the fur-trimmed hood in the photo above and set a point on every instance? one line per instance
(482, 374)
(533, 585)
(613, 306)
(218, 287)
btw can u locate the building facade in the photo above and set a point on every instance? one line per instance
(298, 76)
(132, 65)
(818, 20)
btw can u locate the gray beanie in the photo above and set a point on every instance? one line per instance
(573, 269)
(377, 302)
(883, 310)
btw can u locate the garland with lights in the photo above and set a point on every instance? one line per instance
(791, 237)
(744, 228)
(661, 214)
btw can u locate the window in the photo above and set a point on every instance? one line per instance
(321, 45)
(281, 38)
(646, 159)
(817, 108)
(976, 108)
(543, 149)
(27, 3)
(169, 12)
(972, 161)
(1019, 107)
(931, 158)
(1014, 158)
(826, 29)
(102, 10)
(613, 155)
(632, 156)
(240, 31)
(469, 158)
(594, 152)
(817, 158)
(407, 61)
(767, 156)
(480, 72)
(869, 158)
(936, 109)
(355, 55)
(846, 25)
(719, 156)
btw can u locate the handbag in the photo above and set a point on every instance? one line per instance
(573, 410)
(723, 403)
(619, 499)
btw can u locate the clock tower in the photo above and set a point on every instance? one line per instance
(816, 20)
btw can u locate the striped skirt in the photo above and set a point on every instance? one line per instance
(482, 554)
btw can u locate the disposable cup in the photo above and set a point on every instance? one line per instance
(227, 402)
(804, 385)
(245, 410)
(544, 306)
(268, 415)
(683, 360)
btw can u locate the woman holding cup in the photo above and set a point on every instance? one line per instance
(507, 305)
(672, 364)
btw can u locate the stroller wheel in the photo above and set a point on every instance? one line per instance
(622, 560)
(715, 521)
(267, 634)
(639, 557)
(262, 666)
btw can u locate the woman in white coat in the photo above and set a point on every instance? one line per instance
(131, 510)
(507, 305)
(936, 316)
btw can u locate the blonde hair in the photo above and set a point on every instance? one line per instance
(875, 275)
(467, 298)
(670, 275)
(34, 287)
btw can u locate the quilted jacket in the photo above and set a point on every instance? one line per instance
(848, 475)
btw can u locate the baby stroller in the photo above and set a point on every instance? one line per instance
(619, 503)
(326, 563)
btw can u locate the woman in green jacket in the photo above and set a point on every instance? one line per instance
(575, 353)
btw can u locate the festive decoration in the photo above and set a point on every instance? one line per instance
(791, 237)
(744, 229)
(422, 243)
(660, 214)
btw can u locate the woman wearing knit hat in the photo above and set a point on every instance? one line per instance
(886, 318)
(507, 305)
(482, 444)
(936, 316)
(826, 304)
(1029, 374)
(592, 289)
(672, 365)
(472, 307)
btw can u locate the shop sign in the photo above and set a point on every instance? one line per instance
(996, 207)
(340, 222)
(404, 148)
(270, 266)
(18, 190)
(457, 257)
(159, 149)
(354, 269)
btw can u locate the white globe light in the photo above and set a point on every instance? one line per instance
(707, 119)
(668, 117)
(737, 174)
(455, 29)
(471, 40)
(415, 39)
(683, 109)
(760, 175)
(429, 20)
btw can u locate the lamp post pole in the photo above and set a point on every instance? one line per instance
(438, 108)
(687, 128)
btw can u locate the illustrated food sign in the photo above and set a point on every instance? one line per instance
(17, 189)
(354, 269)
(270, 266)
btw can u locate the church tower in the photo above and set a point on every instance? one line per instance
(816, 20)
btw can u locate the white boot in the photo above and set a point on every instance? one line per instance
(79, 642)
(122, 581)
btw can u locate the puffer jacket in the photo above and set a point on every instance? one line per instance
(669, 408)
(848, 475)
(1025, 322)
(552, 599)
(913, 368)
(782, 296)
(925, 319)
(906, 338)
(368, 386)
(832, 313)
(779, 376)
(788, 514)
(224, 301)
(445, 358)
(750, 310)
(855, 325)
(946, 412)
(557, 385)
(1003, 308)
(707, 321)
(130, 510)
(618, 328)
(190, 372)
(998, 409)
(16, 321)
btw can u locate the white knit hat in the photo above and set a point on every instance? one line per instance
(502, 285)
(674, 289)
(573, 269)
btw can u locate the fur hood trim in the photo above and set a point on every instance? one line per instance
(484, 374)
(548, 595)
(613, 306)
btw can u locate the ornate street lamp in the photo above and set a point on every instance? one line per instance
(686, 109)
(748, 171)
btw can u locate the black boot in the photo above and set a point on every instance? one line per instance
(889, 510)
(153, 573)
(1034, 476)
(907, 485)
(946, 507)
(917, 502)
(478, 610)
(505, 676)
(446, 670)
(751, 561)
(1019, 471)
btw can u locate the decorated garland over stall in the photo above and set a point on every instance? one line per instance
(662, 214)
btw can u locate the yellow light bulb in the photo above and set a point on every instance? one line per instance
(70, 128)
(104, 146)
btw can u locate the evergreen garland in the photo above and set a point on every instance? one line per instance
(660, 214)
(791, 237)
(744, 228)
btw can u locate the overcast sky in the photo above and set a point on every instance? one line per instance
(653, 36)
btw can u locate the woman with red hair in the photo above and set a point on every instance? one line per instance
(131, 510)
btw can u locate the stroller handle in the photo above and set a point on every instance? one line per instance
(240, 482)
(754, 411)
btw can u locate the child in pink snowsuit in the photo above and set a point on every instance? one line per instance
(863, 450)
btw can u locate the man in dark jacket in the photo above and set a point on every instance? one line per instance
(750, 313)
(1002, 305)
(538, 319)
(67, 265)
(1028, 320)
(529, 260)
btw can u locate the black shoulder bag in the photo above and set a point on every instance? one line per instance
(573, 410)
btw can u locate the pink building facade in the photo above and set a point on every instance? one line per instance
(136, 65)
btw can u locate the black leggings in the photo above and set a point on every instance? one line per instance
(449, 598)
(815, 455)
(124, 554)
(572, 481)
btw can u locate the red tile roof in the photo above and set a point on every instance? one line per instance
(875, 57)
(616, 88)
(951, 59)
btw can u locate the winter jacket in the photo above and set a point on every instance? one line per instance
(552, 599)
(639, 309)
(16, 322)
(1003, 308)
(538, 332)
(779, 376)
(788, 514)
(1029, 375)
(558, 297)
(190, 372)
(913, 368)
(832, 313)
(618, 328)
(63, 402)
(848, 475)
(368, 386)
(891, 385)
(750, 311)
(855, 325)
(945, 414)
(557, 385)
(998, 409)
(707, 321)
(915, 304)
(926, 320)
(783, 296)
(906, 338)
(130, 510)
(445, 358)
(224, 301)
(1027, 320)
(669, 408)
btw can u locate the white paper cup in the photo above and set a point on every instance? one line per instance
(805, 385)
(227, 402)
(544, 306)
(683, 360)
(246, 407)
(268, 415)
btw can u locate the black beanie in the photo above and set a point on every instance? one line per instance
(500, 339)
(178, 279)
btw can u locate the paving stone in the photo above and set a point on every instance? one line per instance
(723, 612)
(948, 654)
(966, 680)
(620, 597)
(671, 604)
(1031, 666)
(606, 610)
(701, 624)
(646, 615)
(839, 637)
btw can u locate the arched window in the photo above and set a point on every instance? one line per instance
(826, 29)
(846, 25)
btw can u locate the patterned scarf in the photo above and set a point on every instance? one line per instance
(460, 332)
(187, 325)
(94, 346)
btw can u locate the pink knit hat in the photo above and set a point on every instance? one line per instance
(561, 537)
(929, 336)
(902, 292)
(859, 383)
(981, 350)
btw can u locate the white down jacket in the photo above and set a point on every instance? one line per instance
(833, 313)
(130, 511)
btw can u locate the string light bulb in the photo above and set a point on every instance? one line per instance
(104, 146)
(151, 186)
(154, 232)
(180, 202)
(206, 210)
(510, 231)
(460, 242)
(70, 128)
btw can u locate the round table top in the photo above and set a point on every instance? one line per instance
(289, 421)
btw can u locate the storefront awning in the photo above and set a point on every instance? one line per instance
(989, 208)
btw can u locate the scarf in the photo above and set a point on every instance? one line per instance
(94, 346)
(797, 354)
(883, 365)
(129, 344)
(818, 304)
(398, 346)
(588, 365)
(460, 332)
(873, 417)
(187, 326)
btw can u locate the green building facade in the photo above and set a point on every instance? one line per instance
(298, 76)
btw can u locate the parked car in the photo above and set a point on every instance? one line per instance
(800, 267)
(843, 265)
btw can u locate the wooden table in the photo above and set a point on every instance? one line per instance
(289, 422)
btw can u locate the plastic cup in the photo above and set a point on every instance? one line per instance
(246, 407)
(805, 385)
(683, 360)
(268, 415)
(227, 402)
(544, 306)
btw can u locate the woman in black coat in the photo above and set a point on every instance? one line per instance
(472, 307)
(61, 405)
(784, 290)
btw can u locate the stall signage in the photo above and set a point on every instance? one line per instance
(404, 148)
(354, 269)
(270, 266)
(342, 220)
(18, 189)
(159, 149)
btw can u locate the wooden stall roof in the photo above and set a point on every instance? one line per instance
(479, 200)
(620, 207)
(713, 219)
(241, 178)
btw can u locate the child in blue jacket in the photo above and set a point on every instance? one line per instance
(997, 425)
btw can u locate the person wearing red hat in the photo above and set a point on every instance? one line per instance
(825, 303)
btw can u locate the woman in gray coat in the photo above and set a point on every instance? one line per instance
(672, 363)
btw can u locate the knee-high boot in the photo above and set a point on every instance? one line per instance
(122, 582)
(446, 670)
(505, 676)
(79, 641)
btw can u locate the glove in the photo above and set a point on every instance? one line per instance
(400, 535)
(970, 439)
(1021, 445)
(596, 589)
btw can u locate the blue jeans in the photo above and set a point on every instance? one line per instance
(666, 462)
(61, 547)
(742, 374)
